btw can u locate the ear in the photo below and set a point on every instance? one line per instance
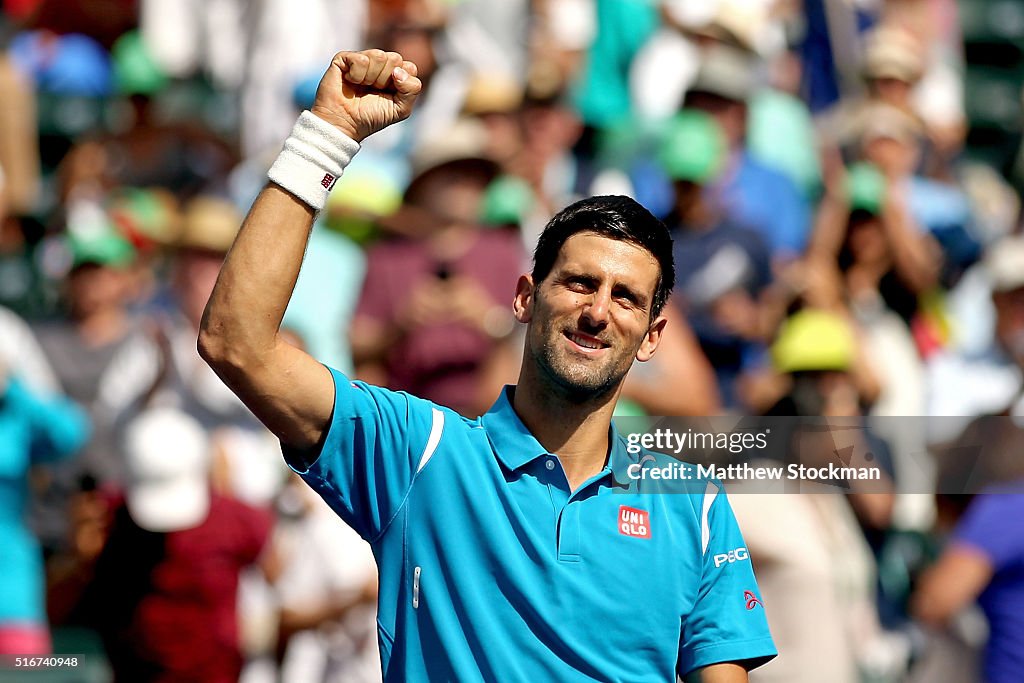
(653, 338)
(522, 305)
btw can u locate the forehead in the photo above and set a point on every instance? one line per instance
(589, 253)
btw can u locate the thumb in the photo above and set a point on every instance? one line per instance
(407, 88)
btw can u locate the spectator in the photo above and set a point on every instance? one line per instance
(33, 429)
(164, 368)
(986, 385)
(754, 195)
(722, 268)
(987, 380)
(162, 591)
(80, 348)
(430, 313)
(328, 593)
(983, 563)
(810, 546)
(872, 233)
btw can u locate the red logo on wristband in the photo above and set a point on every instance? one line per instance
(328, 181)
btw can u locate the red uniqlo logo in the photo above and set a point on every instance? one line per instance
(328, 181)
(633, 522)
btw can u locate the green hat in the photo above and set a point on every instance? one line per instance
(814, 340)
(104, 248)
(135, 70)
(865, 185)
(693, 147)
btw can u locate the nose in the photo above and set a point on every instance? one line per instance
(596, 308)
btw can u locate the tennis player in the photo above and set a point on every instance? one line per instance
(513, 547)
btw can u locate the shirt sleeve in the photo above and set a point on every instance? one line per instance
(991, 525)
(57, 426)
(728, 622)
(371, 454)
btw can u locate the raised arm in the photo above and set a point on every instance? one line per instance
(289, 391)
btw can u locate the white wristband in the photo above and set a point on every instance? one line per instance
(314, 157)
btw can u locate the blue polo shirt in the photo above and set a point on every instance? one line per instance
(492, 569)
(992, 527)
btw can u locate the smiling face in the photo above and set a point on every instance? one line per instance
(590, 317)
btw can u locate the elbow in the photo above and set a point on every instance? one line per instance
(211, 347)
(216, 350)
(930, 612)
(231, 356)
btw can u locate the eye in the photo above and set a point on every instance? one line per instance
(580, 284)
(626, 296)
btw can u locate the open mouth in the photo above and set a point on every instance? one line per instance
(585, 341)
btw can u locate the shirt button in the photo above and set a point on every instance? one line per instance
(550, 464)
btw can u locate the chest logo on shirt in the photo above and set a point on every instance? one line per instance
(751, 600)
(634, 522)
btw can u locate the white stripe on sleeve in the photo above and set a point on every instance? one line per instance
(710, 492)
(434, 439)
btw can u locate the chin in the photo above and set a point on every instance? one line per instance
(582, 385)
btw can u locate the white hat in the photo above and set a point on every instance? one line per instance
(168, 470)
(892, 52)
(1004, 262)
(728, 72)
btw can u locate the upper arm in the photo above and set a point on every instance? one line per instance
(288, 391)
(718, 673)
(986, 539)
(954, 582)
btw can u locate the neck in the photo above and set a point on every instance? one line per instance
(579, 435)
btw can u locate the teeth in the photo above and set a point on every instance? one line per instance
(587, 344)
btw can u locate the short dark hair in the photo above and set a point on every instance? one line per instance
(619, 218)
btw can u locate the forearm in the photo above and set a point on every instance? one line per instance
(244, 313)
(829, 227)
(288, 390)
(915, 256)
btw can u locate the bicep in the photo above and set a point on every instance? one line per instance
(955, 581)
(291, 393)
(718, 673)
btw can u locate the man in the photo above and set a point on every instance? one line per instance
(512, 547)
(982, 563)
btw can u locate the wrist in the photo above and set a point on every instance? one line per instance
(344, 127)
(313, 158)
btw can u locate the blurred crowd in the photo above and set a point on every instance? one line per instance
(842, 179)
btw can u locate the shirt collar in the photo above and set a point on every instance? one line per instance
(511, 440)
(515, 446)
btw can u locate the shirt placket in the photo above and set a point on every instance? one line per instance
(567, 509)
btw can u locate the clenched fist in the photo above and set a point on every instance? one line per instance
(363, 92)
